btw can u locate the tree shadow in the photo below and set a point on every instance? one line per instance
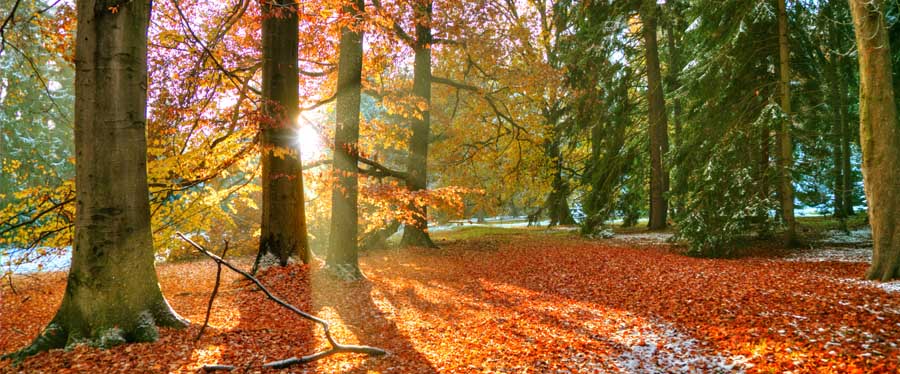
(594, 293)
(362, 321)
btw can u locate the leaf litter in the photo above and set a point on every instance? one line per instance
(539, 303)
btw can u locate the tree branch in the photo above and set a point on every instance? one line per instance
(212, 297)
(9, 18)
(335, 346)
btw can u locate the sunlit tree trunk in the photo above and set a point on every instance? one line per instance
(283, 223)
(659, 138)
(343, 256)
(416, 234)
(112, 294)
(786, 149)
(879, 136)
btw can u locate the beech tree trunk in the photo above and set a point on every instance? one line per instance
(786, 149)
(416, 234)
(343, 253)
(283, 223)
(659, 138)
(112, 294)
(879, 136)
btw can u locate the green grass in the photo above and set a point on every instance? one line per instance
(823, 224)
(472, 232)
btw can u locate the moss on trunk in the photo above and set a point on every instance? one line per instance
(879, 137)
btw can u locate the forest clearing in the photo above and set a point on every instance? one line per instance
(460, 186)
(513, 301)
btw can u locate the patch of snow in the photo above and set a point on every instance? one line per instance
(473, 223)
(837, 254)
(661, 348)
(858, 236)
(645, 237)
(889, 287)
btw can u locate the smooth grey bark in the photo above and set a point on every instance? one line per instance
(343, 252)
(112, 292)
(283, 224)
(879, 136)
(416, 234)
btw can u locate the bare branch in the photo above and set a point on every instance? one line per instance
(335, 346)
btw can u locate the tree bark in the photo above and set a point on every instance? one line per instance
(674, 82)
(659, 138)
(786, 149)
(558, 200)
(846, 170)
(879, 136)
(416, 234)
(837, 130)
(343, 253)
(112, 295)
(283, 223)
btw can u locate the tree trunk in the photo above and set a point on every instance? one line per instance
(837, 127)
(112, 294)
(558, 200)
(659, 138)
(674, 82)
(416, 234)
(879, 136)
(343, 256)
(283, 212)
(846, 170)
(786, 149)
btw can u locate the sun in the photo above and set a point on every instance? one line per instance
(308, 139)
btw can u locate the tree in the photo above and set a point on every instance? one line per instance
(785, 146)
(417, 165)
(659, 138)
(283, 222)
(879, 136)
(112, 294)
(343, 248)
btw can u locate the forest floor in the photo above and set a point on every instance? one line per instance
(525, 300)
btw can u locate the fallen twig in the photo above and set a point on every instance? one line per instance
(11, 287)
(335, 346)
(215, 291)
(209, 368)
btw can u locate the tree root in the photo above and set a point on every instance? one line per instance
(335, 346)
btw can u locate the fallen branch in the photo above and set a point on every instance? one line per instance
(11, 287)
(215, 291)
(335, 346)
(211, 368)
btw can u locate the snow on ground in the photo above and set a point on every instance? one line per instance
(889, 287)
(855, 246)
(645, 237)
(502, 222)
(660, 348)
(858, 236)
(837, 254)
